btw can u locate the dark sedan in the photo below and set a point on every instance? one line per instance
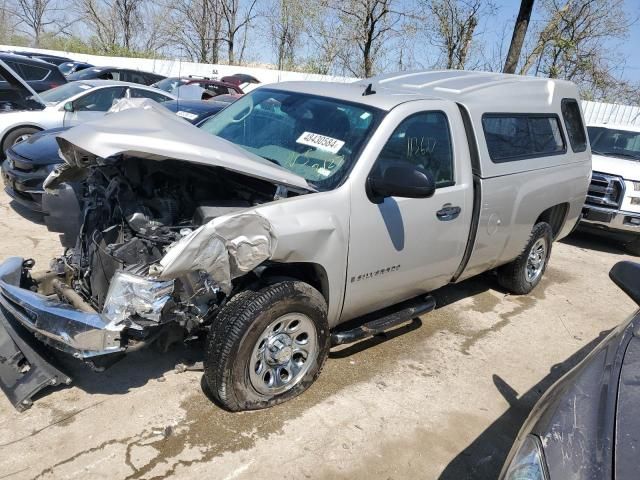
(38, 74)
(587, 425)
(29, 162)
(114, 73)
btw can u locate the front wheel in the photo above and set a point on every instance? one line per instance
(16, 136)
(525, 272)
(267, 347)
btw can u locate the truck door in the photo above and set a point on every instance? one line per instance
(403, 247)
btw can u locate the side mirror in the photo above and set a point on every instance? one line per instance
(400, 181)
(626, 275)
(68, 107)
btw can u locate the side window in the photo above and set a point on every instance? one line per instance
(139, 93)
(33, 73)
(512, 136)
(110, 75)
(573, 123)
(136, 77)
(423, 140)
(99, 100)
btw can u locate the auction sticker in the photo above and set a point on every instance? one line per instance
(321, 142)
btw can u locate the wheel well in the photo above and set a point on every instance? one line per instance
(555, 216)
(311, 273)
(13, 129)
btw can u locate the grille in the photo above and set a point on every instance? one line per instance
(605, 190)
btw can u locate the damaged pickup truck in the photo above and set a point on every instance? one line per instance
(303, 216)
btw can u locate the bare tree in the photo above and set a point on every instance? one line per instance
(369, 25)
(454, 27)
(34, 16)
(129, 19)
(197, 27)
(572, 44)
(519, 32)
(234, 20)
(286, 23)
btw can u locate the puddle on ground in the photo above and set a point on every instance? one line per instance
(210, 432)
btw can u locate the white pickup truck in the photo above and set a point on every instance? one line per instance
(612, 207)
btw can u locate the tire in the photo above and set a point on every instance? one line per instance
(241, 372)
(633, 247)
(14, 136)
(515, 276)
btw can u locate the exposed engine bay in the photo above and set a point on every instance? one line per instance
(133, 213)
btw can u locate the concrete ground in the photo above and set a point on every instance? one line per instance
(441, 398)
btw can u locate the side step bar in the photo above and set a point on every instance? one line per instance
(377, 322)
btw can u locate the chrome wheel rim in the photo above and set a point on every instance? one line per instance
(21, 138)
(283, 354)
(536, 259)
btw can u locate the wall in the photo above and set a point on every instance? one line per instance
(597, 112)
(174, 68)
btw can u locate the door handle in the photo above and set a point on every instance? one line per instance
(448, 212)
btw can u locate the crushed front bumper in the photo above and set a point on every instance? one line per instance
(29, 320)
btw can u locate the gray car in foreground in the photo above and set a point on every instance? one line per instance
(587, 425)
(303, 216)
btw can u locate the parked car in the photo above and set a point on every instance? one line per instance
(114, 73)
(28, 163)
(68, 105)
(53, 59)
(586, 425)
(67, 68)
(612, 207)
(39, 75)
(211, 88)
(303, 215)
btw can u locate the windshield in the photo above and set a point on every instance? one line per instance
(318, 138)
(59, 94)
(169, 84)
(616, 143)
(67, 68)
(86, 74)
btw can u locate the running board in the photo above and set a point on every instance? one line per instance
(377, 322)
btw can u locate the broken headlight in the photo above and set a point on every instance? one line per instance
(134, 295)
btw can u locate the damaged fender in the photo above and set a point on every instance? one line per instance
(225, 248)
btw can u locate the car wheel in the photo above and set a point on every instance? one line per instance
(16, 136)
(267, 347)
(523, 274)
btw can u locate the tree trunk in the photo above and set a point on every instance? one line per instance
(519, 32)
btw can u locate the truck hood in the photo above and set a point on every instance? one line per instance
(21, 87)
(625, 168)
(152, 135)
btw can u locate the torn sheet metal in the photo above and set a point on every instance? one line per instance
(225, 248)
(152, 135)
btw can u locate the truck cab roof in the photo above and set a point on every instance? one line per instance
(459, 86)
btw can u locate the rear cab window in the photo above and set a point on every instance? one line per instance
(518, 136)
(573, 123)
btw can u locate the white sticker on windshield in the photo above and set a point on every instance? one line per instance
(321, 142)
(84, 87)
(187, 115)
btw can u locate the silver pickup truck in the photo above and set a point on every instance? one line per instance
(303, 216)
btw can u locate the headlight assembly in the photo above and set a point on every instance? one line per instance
(528, 462)
(134, 295)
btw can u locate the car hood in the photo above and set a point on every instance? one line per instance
(19, 84)
(152, 135)
(40, 148)
(625, 168)
(575, 418)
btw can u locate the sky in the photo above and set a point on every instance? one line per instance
(629, 48)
